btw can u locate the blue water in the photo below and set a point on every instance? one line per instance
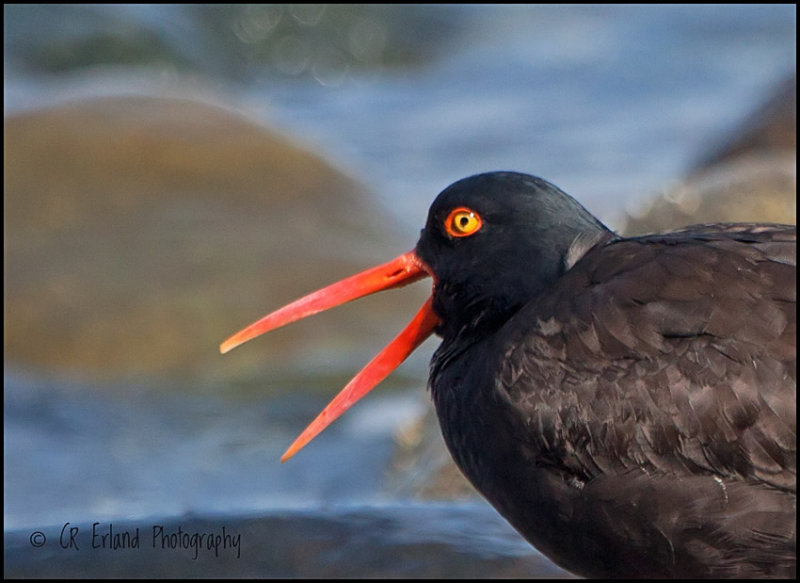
(611, 103)
(78, 452)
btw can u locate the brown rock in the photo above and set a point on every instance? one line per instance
(141, 232)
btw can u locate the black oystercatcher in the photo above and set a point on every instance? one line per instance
(628, 405)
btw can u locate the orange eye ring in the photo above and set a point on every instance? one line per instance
(462, 222)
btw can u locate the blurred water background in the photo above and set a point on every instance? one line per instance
(173, 172)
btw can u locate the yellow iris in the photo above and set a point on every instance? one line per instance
(462, 222)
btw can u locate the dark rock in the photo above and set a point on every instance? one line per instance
(742, 190)
(751, 176)
(772, 127)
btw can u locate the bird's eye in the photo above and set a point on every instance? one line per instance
(462, 222)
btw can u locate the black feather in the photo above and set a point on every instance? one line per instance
(628, 404)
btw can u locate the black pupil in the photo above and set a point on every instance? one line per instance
(464, 221)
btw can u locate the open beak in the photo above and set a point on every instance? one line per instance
(398, 272)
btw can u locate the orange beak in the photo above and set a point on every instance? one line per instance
(401, 271)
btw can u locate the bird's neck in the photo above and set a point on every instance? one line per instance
(468, 314)
(478, 305)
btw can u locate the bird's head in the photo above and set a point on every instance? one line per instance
(491, 242)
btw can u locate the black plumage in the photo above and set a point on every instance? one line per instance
(627, 404)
